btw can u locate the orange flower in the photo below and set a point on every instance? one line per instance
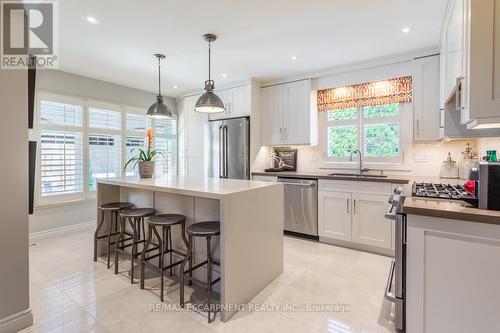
(150, 135)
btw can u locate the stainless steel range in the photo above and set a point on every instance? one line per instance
(395, 290)
(439, 191)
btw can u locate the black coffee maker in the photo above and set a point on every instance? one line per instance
(487, 178)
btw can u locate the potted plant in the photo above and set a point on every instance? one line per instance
(144, 158)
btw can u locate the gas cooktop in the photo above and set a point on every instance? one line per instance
(440, 191)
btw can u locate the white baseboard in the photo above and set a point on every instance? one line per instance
(16, 322)
(61, 230)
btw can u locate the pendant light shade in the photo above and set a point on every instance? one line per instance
(159, 109)
(209, 102)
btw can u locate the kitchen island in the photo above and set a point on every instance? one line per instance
(250, 246)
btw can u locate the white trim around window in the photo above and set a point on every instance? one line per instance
(404, 119)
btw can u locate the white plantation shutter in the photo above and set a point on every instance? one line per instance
(166, 140)
(104, 118)
(104, 142)
(104, 158)
(61, 167)
(61, 114)
(61, 162)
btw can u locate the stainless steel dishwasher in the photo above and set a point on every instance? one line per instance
(301, 206)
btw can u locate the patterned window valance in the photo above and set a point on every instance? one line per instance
(396, 90)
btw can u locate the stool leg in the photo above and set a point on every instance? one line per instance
(133, 224)
(96, 233)
(118, 240)
(113, 215)
(183, 265)
(162, 254)
(143, 255)
(209, 277)
(169, 232)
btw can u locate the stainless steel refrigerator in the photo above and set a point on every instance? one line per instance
(227, 148)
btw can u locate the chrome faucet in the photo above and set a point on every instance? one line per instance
(360, 168)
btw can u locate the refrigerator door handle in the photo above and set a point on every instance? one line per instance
(221, 152)
(226, 166)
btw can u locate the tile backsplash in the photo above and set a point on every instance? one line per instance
(422, 159)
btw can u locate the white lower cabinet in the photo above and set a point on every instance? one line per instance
(334, 215)
(452, 275)
(369, 226)
(353, 213)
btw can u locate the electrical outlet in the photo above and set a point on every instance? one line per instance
(419, 157)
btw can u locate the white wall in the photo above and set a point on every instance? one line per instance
(14, 286)
(62, 216)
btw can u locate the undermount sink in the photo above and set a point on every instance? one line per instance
(357, 175)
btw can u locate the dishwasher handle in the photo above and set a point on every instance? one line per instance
(298, 182)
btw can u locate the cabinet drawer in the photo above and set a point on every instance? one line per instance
(355, 186)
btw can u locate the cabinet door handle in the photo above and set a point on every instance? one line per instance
(458, 96)
(418, 126)
(281, 134)
(354, 209)
(347, 201)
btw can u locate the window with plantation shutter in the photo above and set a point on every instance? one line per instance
(104, 142)
(61, 169)
(81, 141)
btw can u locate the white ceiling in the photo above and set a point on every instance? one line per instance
(257, 38)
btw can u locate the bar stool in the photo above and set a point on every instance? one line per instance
(135, 218)
(114, 208)
(208, 230)
(165, 222)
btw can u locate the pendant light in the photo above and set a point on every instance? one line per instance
(159, 109)
(209, 102)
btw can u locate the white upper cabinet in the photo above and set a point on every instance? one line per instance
(271, 123)
(453, 39)
(236, 101)
(470, 50)
(427, 116)
(481, 100)
(287, 116)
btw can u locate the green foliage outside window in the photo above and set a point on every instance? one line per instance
(381, 140)
(381, 111)
(342, 140)
(343, 114)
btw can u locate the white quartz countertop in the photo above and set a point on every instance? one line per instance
(214, 188)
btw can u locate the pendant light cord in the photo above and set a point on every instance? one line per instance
(209, 60)
(159, 76)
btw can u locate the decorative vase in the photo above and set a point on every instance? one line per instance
(146, 169)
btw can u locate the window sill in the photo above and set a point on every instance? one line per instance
(56, 204)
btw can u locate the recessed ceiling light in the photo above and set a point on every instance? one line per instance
(224, 75)
(294, 58)
(406, 29)
(176, 87)
(91, 19)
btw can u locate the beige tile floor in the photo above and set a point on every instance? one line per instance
(71, 293)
